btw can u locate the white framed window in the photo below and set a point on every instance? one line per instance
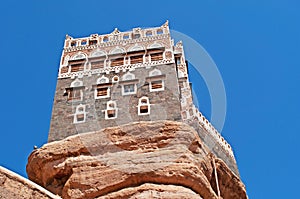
(128, 89)
(102, 89)
(80, 114)
(75, 91)
(156, 81)
(129, 84)
(111, 111)
(144, 106)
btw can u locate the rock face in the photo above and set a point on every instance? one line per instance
(162, 159)
(13, 186)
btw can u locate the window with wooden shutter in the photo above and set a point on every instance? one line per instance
(136, 59)
(117, 62)
(156, 56)
(77, 67)
(101, 92)
(74, 94)
(97, 64)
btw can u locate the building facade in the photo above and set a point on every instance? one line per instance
(122, 77)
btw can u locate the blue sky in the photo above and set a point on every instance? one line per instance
(255, 45)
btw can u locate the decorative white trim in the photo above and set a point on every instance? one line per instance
(128, 76)
(76, 83)
(102, 80)
(80, 110)
(154, 72)
(111, 106)
(97, 53)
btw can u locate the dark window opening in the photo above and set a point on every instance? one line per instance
(73, 43)
(83, 42)
(80, 117)
(136, 36)
(111, 113)
(92, 42)
(144, 109)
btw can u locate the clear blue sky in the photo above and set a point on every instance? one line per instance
(255, 44)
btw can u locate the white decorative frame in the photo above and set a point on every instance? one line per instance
(111, 108)
(154, 73)
(102, 80)
(142, 103)
(80, 109)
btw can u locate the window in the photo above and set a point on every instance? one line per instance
(156, 56)
(128, 89)
(159, 31)
(83, 42)
(80, 114)
(102, 89)
(111, 110)
(92, 42)
(102, 92)
(143, 106)
(117, 62)
(77, 67)
(73, 43)
(105, 39)
(136, 59)
(136, 36)
(148, 33)
(64, 69)
(126, 36)
(97, 64)
(129, 84)
(156, 80)
(75, 92)
(156, 85)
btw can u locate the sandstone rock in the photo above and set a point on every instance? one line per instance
(13, 186)
(163, 159)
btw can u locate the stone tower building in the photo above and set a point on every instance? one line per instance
(124, 125)
(122, 77)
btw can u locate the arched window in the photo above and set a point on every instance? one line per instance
(111, 110)
(102, 89)
(144, 106)
(80, 114)
(129, 84)
(159, 31)
(148, 33)
(156, 82)
(75, 91)
(77, 62)
(105, 39)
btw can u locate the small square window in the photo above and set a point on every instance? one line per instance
(156, 85)
(129, 89)
(102, 92)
